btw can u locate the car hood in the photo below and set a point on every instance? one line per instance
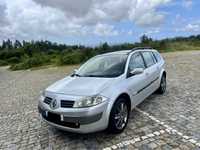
(82, 86)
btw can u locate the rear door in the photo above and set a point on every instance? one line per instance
(151, 72)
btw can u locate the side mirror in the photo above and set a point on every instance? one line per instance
(137, 71)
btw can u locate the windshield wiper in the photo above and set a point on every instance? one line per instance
(75, 75)
(99, 76)
(90, 76)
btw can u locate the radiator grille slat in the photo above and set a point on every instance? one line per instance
(67, 103)
(63, 103)
(47, 100)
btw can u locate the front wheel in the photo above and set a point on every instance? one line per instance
(163, 85)
(119, 116)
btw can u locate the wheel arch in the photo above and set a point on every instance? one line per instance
(122, 95)
(164, 73)
(126, 97)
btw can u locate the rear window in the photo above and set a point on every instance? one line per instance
(148, 57)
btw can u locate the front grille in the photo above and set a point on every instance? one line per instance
(47, 100)
(66, 104)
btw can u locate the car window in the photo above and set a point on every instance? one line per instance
(148, 57)
(107, 66)
(157, 55)
(136, 61)
(154, 58)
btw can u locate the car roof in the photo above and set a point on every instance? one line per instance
(127, 52)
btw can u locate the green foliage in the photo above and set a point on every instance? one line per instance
(3, 63)
(13, 60)
(6, 54)
(29, 62)
(70, 58)
(145, 40)
(25, 55)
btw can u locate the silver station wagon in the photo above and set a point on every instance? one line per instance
(102, 92)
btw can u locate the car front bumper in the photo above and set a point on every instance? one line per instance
(79, 120)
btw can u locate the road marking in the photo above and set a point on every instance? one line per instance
(169, 129)
(134, 140)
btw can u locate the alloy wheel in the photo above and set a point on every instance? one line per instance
(121, 116)
(163, 84)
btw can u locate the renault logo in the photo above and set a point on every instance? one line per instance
(53, 104)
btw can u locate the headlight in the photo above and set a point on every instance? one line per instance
(89, 101)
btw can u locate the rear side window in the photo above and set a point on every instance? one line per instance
(154, 57)
(157, 55)
(148, 57)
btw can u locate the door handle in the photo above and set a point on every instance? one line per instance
(146, 73)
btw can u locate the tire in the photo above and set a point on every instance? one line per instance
(118, 119)
(163, 85)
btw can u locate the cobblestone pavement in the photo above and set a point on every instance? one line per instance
(169, 121)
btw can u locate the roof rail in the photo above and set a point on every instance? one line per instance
(138, 48)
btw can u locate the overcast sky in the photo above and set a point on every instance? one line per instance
(93, 21)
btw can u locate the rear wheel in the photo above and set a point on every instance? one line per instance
(163, 85)
(119, 116)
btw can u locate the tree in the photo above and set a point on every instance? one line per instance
(3, 45)
(9, 44)
(163, 45)
(17, 44)
(104, 47)
(145, 40)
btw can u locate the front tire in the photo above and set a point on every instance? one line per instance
(119, 116)
(163, 85)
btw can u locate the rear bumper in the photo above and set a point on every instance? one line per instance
(79, 120)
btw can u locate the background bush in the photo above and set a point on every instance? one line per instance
(25, 55)
(3, 63)
(29, 62)
(13, 60)
(70, 58)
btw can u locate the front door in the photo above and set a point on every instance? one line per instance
(136, 82)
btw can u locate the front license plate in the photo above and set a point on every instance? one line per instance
(53, 116)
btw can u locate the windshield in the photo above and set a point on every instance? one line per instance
(103, 66)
